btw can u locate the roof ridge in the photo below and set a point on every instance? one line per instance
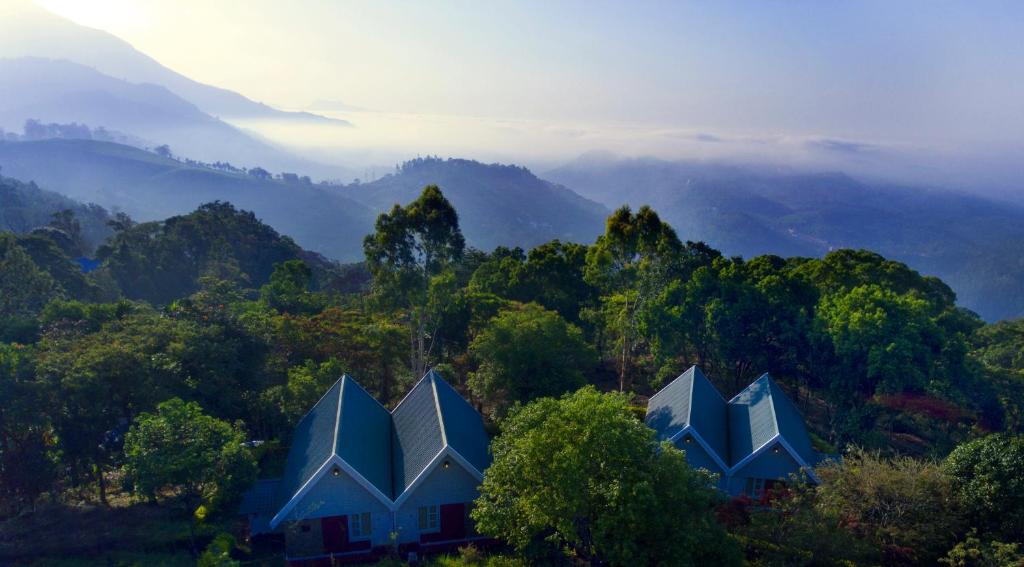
(337, 417)
(437, 407)
(320, 399)
(771, 403)
(674, 380)
(759, 378)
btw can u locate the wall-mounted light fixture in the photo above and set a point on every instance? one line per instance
(445, 464)
(336, 471)
(776, 449)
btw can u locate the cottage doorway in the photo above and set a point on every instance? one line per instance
(453, 521)
(335, 532)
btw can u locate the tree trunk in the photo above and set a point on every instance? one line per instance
(102, 484)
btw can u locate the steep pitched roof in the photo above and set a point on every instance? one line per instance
(416, 433)
(791, 424)
(751, 420)
(363, 437)
(690, 401)
(386, 451)
(731, 431)
(312, 441)
(463, 427)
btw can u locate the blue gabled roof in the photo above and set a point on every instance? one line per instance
(733, 429)
(364, 435)
(312, 442)
(389, 449)
(690, 400)
(416, 433)
(751, 420)
(463, 426)
(791, 424)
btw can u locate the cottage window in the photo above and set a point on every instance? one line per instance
(359, 526)
(428, 518)
(755, 488)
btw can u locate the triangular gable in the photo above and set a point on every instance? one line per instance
(691, 403)
(388, 453)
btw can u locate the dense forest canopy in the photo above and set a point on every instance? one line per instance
(214, 317)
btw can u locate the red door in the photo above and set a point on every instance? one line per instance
(335, 533)
(453, 521)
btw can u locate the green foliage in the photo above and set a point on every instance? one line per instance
(635, 257)
(580, 473)
(975, 552)
(904, 507)
(218, 553)
(163, 261)
(988, 477)
(26, 437)
(411, 250)
(180, 447)
(792, 529)
(528, 352)
(24, 288)
(1000, 350)
(288, 289)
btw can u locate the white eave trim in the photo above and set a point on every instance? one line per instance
(700, 441)
(789, 449)
(334, 460)
(306, 487)
(420, 477)
(446, 451)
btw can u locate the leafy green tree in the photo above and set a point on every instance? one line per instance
(1000, 349)
(905, 507)
(974, 551)
(988, 478)
(790, 528)
(27, 443)
(635, 257)
(411, 248)
(105, 379)
(584, 474)
(182, 448)
(24, 288)
(288, 289)
(527, 352)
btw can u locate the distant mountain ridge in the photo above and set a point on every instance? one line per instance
(27, 30)
(970, 242)
(63, 92)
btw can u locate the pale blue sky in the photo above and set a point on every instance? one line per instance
(935, 74)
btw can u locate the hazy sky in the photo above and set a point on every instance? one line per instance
(902, 70)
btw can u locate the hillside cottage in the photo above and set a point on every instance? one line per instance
(360, 478)
(753, 442)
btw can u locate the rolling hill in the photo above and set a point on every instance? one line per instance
(970, 242)
(497, 204)
(149, 187)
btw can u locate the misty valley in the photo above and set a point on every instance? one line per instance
(459, 321)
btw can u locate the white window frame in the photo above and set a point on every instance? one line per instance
(429, 518)
(356, 524)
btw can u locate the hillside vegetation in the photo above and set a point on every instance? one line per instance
(214, 315)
